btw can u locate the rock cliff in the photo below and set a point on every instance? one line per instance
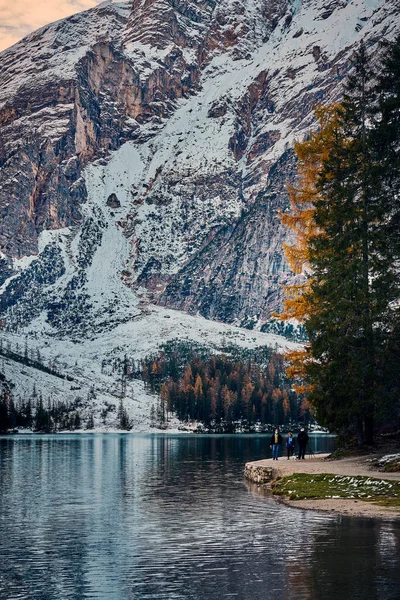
(145, 147)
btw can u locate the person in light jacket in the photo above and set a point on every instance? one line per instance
(290, 445)
(276, 441)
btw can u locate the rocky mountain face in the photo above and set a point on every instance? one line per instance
(145, 147)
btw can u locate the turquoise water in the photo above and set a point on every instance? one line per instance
(170, 517)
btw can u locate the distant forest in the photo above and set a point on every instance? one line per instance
(229, 389)
(246, 386)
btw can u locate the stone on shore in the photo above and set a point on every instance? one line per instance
(257, 473)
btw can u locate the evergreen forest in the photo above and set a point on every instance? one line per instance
(227, 390)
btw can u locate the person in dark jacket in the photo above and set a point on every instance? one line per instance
(276, 441)
(302, 440)
(290, 445)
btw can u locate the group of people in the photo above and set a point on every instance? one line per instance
(276, 441)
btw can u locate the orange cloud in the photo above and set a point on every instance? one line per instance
(20, 17)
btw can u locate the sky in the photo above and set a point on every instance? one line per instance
(20, 17)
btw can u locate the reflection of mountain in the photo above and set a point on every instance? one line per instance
(134, 517)
(43, 529)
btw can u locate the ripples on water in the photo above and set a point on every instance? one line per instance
(128, 517)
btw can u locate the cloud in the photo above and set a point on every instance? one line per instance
(20, 17)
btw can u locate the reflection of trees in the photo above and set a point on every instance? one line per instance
(42, 557)
(346, 563)
(389, 543)
(321, 444)
(129, 516)
(346, 558)
(297, 571)
(186, 462)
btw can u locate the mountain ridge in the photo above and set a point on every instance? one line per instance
(149, 163)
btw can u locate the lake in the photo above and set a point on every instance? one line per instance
(137, 517)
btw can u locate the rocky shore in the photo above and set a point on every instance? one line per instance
(266, 472)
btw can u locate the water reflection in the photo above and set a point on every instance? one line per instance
(170, 517)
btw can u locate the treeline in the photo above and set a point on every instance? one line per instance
(30, 358)
(346, 217)
(51, 416)
(56, 416)
(215, 389)
(295, 333)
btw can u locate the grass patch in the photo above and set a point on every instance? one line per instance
(342, 453)
(392, 467)
(303, 486)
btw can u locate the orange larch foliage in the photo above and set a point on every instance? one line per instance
(311, 154)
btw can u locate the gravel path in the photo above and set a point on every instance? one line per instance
(363, 465)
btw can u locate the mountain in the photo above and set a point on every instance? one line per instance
(86, 374)
(145, 148)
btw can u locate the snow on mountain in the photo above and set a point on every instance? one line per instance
(198, 104)
(89, 380)
(53, 51)
(145, 148)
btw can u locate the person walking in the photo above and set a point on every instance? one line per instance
(290, 445)
(302, 440)
(276, 441)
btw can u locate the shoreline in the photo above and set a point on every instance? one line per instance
(155, 430)
(349, 466)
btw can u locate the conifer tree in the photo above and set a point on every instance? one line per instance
(349, 302)
(152, 416)
(76, 421)
(123, 418)
(385, 141)
(4, 413)
(301, 220)
(42, 420)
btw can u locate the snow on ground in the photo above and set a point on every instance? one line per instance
(82, 361)
(89, 391)
(109, 258)
(190, 140)
(389, 458)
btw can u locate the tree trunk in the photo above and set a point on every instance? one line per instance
(365, 430)
(368, 430)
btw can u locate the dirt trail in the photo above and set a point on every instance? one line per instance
(363, 465)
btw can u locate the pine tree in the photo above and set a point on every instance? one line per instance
(152, 416)
(90, 422)
(123, 417)
(28, 417)
(120, 413)
(353, 274)
(4, 421)
(385, 141)
(349, 301)
(42, 420)
(76, 421)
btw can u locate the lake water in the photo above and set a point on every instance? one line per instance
(137, 517)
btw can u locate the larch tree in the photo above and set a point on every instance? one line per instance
(300, 219)
(345, 213)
